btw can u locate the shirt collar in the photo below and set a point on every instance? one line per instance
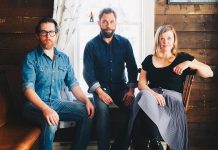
(41, 52)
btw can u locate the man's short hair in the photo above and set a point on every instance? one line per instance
(45, 20)
(107, 11)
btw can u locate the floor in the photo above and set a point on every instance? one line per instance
(66, 146)
(92, 146)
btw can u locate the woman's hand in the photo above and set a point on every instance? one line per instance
(160, 99)
(178, 69)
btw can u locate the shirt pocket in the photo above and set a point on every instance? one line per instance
(42, 73)
(43, 68)
(62, 71)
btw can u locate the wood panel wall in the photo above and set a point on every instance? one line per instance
(17, 22)
(197, 28)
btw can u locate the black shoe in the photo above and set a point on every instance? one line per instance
(155, 144)
(140, 144)
(168, 148)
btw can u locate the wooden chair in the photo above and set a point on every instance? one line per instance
(187, 90)
(185, 95)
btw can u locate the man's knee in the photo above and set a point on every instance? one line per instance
(102, 109)
(49, 128)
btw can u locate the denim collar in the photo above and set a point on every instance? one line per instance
(41, 51)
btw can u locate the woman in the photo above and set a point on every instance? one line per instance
(158, 109)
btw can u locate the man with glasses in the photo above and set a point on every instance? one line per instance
(105, 58)
(45, 69)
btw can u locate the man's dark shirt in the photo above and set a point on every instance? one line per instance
(104, 64)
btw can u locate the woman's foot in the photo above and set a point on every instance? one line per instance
(156, 144)
(168, 148)
(140, 144)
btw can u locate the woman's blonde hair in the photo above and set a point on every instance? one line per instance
(162, 29)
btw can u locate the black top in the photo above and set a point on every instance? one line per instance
(164, 77)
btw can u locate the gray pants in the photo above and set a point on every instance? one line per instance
(170, 119)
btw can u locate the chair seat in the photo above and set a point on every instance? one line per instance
(18, 136)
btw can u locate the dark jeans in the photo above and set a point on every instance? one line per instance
(103, 121)
(67, 111)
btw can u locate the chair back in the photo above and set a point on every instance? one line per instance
(187, 90)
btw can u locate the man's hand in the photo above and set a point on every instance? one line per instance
(129, 97)
(90, 109)
(51, 116)
(104, 96)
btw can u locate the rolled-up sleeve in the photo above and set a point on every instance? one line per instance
(70, 79)
(28, 74)
(88, 68)
(131, 66)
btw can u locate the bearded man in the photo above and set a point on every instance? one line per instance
(105, 58)
(44, 71)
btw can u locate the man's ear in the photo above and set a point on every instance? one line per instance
(99, 22)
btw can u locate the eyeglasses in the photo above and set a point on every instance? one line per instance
(45, 33)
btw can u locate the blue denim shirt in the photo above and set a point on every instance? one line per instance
(104, 64)
(45, 76)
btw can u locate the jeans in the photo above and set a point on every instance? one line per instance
(103, 122)
(67, 111)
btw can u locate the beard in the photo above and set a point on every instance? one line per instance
(106, 34)
(47, 44)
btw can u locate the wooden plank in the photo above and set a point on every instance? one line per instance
(27, 8)
(197, 40)
(204, 95)
(26, 3)
(27, 12)
(208, 56)
(205, 86)
(11, 59)
(187, 22)
(14, 78)
(18, 24)
(206, 138)
(17, 41)
(197, 115)
(209, 104)
(163, 8)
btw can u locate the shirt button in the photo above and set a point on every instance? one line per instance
(111, 61)
(52, 80)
